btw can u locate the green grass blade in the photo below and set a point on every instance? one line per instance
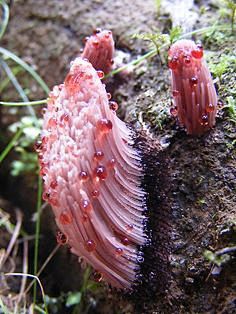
(11, 144)
(25, 103)
(25, 66)
(17, 85)
(5, 18)
(4, 82)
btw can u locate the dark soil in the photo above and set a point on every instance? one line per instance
(191, 181)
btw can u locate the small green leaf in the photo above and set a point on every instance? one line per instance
(73, 298)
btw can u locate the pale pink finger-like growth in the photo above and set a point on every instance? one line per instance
(194, 94)
(92, 176)
(99, 50)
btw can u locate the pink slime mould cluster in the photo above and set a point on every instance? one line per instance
(92, 176)
(99, 50)
(91, 171)
(194, 94)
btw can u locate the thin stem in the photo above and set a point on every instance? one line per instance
(10, 145)
(25, 66)
(25, 103)
(5, 18)
(37, 308)
(16, 84)
(43, 266)
(37, 231)
(232, 19)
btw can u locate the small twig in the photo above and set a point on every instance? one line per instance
(226, 250)
(39, 282)
(14, 237)
(25, 271)
(43, 266)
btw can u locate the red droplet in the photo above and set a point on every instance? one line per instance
(113, 105)
(65, 218)
(43, 171)
(52, 123)
(86, 205)
(95, 43)
(210, 108)
(187, 60)
(129, 227)
(97, 31)
(104, 125)
(109, 96)
(100, 74)
(193, 81)
(125, 241)
(62, 239)
(90, 245)
(119, 251)
(43, 111)
(95, 193)
(98, 155)
(197, 53)
(173, 63)
(45, 196)
(97, 276)
(53, 184)
(38, 146)
(72, 82)
(83, 176)
(44, 140)
(100, 172)
(204, 120)
(85, 39)
(174, 111)
(111, 163)
(65, 117)
(175, 93)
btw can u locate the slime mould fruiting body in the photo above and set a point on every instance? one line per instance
(99, 50)
(194, 94)
(92, 176)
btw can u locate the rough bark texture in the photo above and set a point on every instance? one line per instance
(191, 181)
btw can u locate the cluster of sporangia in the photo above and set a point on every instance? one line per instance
(91, 171)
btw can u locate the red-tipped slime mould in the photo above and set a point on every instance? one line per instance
(195, 98)
(92, 176)
(99, 50)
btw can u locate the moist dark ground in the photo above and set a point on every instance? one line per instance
(191, 181)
